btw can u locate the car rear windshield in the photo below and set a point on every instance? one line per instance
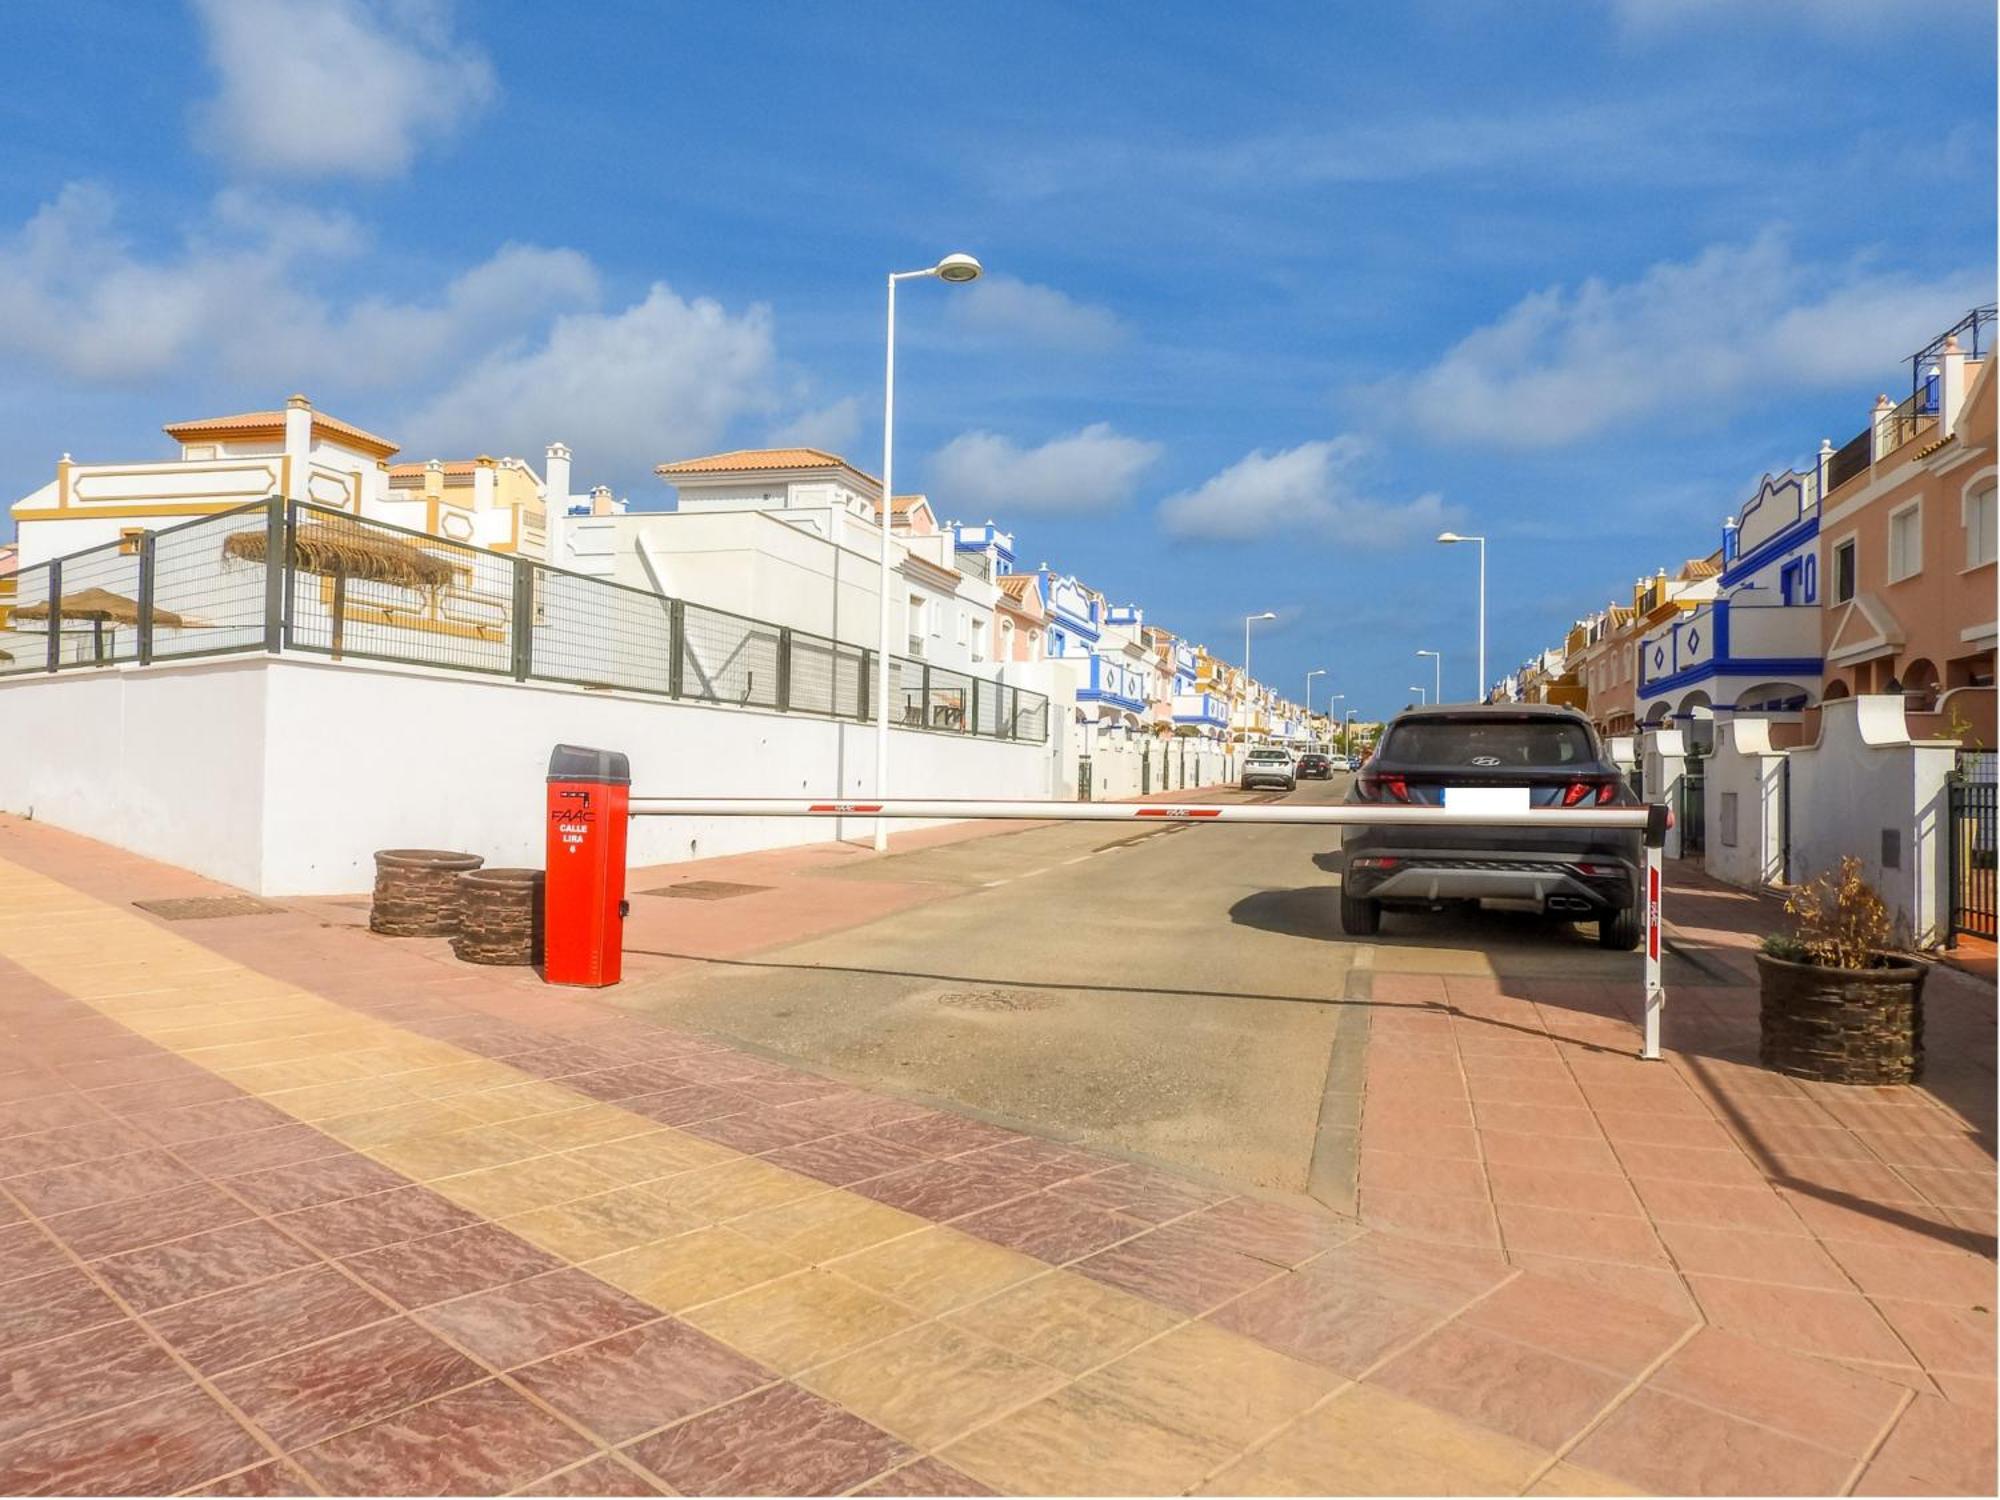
(1487, 743)
(1269, 755)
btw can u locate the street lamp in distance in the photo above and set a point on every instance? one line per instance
(1449, 537)
(1437, 674)
(1423, 697)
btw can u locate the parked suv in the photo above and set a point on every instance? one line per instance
(1499, 758)
(1269, 766)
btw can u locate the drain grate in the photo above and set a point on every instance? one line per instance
(195, 908)
(704, 890)
(995, 1000)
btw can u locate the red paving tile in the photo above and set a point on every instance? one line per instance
(1810, 1399)
(1050, 1227)
(62, 1379)
(645, 1378)
(483, 1440)
(201, 1264)
(1937, 1448)
(524, 1321)
(1668, 1446)
(1838, 1325)
(1178, 1266)
(778, 1441)
(350, 1226)
(106, 1180)
(603, 1475)
(52, 1305)
(1580, 1323)
(1275, 1232)
(256, 1322)
(1517, 1389)
(927, 1476)
(1327, 1321)
(169, 1442)
(112, 1228)
(439, 1267)
(314, 1393)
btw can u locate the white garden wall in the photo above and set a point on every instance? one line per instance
(1868, 789)
(284, 775)
(1744, 817)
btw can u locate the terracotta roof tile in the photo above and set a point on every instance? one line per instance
(1015, 585)
(272, 423)
(755, 460)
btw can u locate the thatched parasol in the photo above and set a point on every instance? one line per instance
(99, 606)
(343, 552)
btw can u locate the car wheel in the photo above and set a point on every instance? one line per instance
(1623, 931)
(1359, 917)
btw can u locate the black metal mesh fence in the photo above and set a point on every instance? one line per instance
(348, 587)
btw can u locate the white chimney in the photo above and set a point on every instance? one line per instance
(482, 483)
(1951, 386)
(298, 446)
(557, 485)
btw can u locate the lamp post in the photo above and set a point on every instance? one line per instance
(1331, 700)
(1346, 734)
(1423, 695)
(957, 267)
(1315, 672)
(1437, 674)
(1248, 680)
(1449, 537)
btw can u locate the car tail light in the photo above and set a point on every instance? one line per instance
(1592, 871)
(1376, 862)
(1384, 788)
(1579, 792)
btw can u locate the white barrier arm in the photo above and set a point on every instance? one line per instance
(1359, 815)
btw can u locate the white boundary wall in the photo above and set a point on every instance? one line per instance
(1662, 765)
(1866, 784)
(283, 775)
(1743, 788)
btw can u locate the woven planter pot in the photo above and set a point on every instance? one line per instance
(1843, 1025)
(499, 917)
(416, 891)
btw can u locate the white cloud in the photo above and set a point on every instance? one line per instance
(235, 299)
(335, 88)
(1562, 364)
(1007, 309)
(1305, 492)
(1094, 468)
(664, 378)
(835, 427)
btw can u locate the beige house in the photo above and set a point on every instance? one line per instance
(1907, 552)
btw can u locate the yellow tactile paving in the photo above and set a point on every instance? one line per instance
(932, 1383)
(818, 1282)
(1205, 1380)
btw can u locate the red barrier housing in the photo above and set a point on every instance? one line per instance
(584, 906)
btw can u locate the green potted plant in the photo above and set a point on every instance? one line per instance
(1837, 1003)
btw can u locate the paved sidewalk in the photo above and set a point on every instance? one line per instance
(288, 1207)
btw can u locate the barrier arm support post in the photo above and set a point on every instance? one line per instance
(1656, 994)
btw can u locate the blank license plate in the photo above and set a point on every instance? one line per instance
(1486, 799)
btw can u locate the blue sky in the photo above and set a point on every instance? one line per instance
(1274, 291)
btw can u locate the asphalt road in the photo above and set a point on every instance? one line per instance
(1175, 993)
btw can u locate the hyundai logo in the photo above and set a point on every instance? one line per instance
(1486, 760)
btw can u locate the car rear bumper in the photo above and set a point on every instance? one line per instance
(1267, 778)
(1595, 882)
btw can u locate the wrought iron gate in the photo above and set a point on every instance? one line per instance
(1972, 799)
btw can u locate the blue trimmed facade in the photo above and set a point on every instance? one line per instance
(1762, 629)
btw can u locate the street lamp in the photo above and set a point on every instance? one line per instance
(1422, 696)
(1247, 679)
(1315, 672)
(1452, 536)
(956, 267)
(1337, 698)
(1346, 735)
(1437, 674)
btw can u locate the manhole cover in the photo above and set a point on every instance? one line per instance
(704, 890)
(994, 1000)
(190, 908)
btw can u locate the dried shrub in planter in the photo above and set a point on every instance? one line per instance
(1835, 1004)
